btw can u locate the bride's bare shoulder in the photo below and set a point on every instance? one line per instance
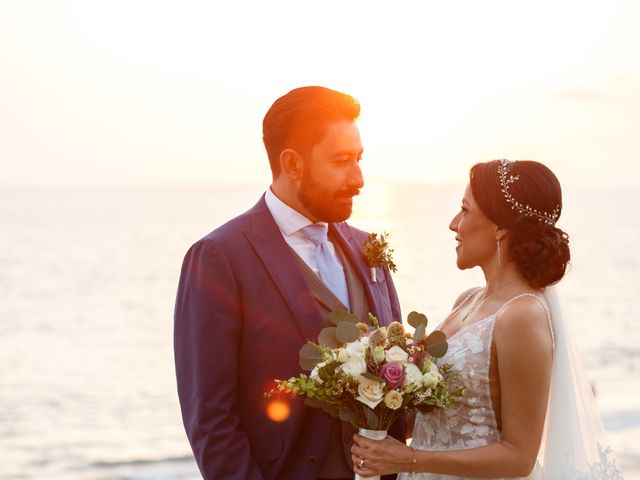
(524, 319)
(464, 296)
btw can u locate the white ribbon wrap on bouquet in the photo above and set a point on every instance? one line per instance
(374, 277)
(373, 435)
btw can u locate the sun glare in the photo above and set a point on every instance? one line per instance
(112, 98)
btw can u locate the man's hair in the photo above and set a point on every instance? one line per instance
(299, 119)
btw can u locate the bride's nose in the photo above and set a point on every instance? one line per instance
(453, 226)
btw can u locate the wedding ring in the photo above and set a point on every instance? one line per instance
(361, 465)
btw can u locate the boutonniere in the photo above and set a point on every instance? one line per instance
(378, 254)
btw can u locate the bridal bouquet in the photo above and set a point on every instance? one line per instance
(370, 375)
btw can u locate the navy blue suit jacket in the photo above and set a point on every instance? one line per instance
(243, 311)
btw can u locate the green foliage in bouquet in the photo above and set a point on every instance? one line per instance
(377, 252)
(370, 375)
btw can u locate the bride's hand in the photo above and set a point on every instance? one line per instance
(380, 457)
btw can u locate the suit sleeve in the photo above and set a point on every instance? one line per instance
(207, 329)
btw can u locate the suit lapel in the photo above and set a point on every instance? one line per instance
(353, 251)
(266, 239)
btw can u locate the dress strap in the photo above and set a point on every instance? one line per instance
(542, 302)
(458, 305)
(468, 296)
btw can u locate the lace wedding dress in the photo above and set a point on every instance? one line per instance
(571, 447)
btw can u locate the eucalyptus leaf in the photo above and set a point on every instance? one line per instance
(309, 356)
(373, 422)
(438, 351)
(347, 332)
(309, 350)
(437, 344)
(327, 337)
(415, 319)
(419, 333)
(338, 316)
(347, 415)
(332, 410)
(308, 363)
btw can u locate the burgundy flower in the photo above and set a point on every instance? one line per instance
(392, 373)
(415, 357)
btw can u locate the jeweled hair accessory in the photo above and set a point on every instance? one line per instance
(507, 179)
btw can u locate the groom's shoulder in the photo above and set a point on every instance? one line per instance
(229, 233)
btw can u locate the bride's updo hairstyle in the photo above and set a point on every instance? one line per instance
(525, 198)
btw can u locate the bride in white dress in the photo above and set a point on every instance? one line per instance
(528, 411)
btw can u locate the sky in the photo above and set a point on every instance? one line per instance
(174, 92)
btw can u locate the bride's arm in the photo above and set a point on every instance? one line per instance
(524, 351)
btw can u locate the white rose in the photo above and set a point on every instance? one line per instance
(370, 392)
(396, 354)
(412, 375)
(354, 366)
(356, 349)
(393, 399)
(378, 354)
(343, 355)
(430, 380)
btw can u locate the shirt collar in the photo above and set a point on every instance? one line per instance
(288, 220)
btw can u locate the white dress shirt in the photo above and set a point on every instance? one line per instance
(290, 222)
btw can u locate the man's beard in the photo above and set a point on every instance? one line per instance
(323, 204)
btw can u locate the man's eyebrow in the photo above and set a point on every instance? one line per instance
(348, 152)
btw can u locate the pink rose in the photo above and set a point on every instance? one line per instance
(392, 373)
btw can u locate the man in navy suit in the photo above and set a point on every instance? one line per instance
(254, 290)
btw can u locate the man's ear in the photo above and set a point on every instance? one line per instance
(291, 164)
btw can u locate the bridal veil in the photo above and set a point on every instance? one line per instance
(574, 445)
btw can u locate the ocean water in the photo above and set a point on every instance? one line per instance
(88, 280)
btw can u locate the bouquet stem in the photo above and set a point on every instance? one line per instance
(373, 435)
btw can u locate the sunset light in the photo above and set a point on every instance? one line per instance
(176, 307)
(167, 93)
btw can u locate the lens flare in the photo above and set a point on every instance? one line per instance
(278, 411)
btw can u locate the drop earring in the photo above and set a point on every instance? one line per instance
(499, 253)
